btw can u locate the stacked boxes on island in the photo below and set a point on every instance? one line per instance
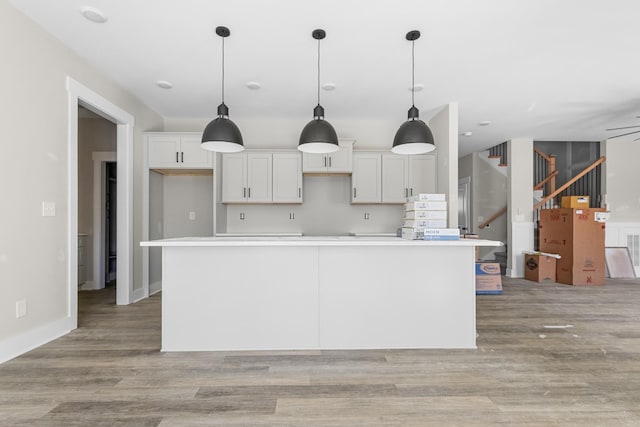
(425, 218)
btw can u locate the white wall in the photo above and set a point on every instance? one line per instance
(488, 195)
(185, 194)
(444, 126)
(520, 225)
(33, 107)
(94, 134)
(621, 178)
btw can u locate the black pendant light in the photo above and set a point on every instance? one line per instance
(318, 136)
(221, 134)
(414, 136)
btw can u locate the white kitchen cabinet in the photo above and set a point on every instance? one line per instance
(175, 151)
(340, 161)
(287, 177)
(366, 179)
(247, 177)
(404, 176)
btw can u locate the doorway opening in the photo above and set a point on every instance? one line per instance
(80, 95)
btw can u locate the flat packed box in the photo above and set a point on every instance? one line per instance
(575, 202)
(426, 197)
(411, 234)
(442, 231)
(539, 268)
(426, 206)
(426, 215)
(488, 278)
(578, 237)
(425, 223)
(438, 237)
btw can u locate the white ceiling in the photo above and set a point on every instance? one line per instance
(547, 69)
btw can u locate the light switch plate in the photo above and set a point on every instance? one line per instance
(48, 208)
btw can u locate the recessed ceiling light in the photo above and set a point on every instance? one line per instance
(467, 133)
(254, 85)
(329, 86)
(164, 84)
(485, 123)
(417, 87)
(93, 14)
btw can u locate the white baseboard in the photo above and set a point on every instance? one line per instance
(15, 346)
(89, 285)
(155, 287)
(138, 294)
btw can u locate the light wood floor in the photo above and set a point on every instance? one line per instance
(109, 372)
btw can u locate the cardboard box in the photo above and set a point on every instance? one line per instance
(424, 223)
(577, 202)
(426, 206)
(488, 278)
(427, 197)
(578, 238)
(539, 268)
(426, 215)
(412, 234)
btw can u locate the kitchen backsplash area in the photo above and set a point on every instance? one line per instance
(326, 210)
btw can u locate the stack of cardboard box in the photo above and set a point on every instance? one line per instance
(425, 217)
(577, 235)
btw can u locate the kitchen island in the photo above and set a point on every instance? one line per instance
(283, 293)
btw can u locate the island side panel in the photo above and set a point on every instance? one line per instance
(397, 297)
(239, 298)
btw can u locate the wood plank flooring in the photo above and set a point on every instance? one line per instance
(584, 370)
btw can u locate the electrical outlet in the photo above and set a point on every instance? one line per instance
(192, 216)
(21, 308)
(366, 215)
(48, 208)
(242, 216)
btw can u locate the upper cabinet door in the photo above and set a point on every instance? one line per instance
(422, 174)
(178, 151)
(337, 162)
(395, 178)
(366, 178)
(314, 162)
(234, 178)
(192, 155)
(164, 151)
(341, 161)
(287, 177)
(259, 177)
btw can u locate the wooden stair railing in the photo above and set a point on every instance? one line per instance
(493, 217)
(571, 181)
(541, 184)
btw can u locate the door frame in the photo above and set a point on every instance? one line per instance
(466, 203)
(78, 94)
(100, 159)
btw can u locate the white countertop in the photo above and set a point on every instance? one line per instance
(314, 241)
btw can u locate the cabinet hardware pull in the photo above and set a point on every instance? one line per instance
(177, 157)
(299, 192)
(406, 192)
(329, 161)
(182, 156)
(354, 193)
(244, 192)
(411, 192)
(325, 161)
(249, 192)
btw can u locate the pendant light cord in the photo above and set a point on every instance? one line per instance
(413, 72)
(223, 70)
(318, 71)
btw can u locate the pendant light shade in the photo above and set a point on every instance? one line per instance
(318, 136)
(221, 134)
(413, 136)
